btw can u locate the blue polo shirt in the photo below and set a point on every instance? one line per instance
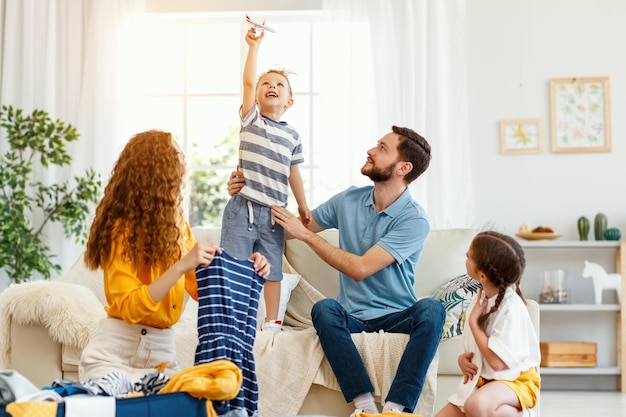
(401, 229)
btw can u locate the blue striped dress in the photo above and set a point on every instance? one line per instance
(228, 297)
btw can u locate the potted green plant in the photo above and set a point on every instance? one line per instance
(29, 205)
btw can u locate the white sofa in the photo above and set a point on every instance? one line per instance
(44, 325)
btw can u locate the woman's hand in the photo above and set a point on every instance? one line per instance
(236, 182)
(261, 266)
(201, 254)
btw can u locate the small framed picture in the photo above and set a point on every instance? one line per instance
(580, 112)
(521, 136)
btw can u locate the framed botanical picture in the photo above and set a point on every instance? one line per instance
(521, 136)
(581, 116)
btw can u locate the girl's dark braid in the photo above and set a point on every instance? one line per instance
(495, 277)
(502, 259)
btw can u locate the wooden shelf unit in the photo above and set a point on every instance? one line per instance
(620, 261)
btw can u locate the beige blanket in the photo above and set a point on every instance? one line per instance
(290, 361)
(381, 353)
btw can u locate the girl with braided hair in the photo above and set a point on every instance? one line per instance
(501, 354)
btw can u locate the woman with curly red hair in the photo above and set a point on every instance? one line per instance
(142, 242)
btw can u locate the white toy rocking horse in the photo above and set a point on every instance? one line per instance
(602, 280)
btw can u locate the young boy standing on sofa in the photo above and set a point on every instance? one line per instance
(382, 231)
(269, 153)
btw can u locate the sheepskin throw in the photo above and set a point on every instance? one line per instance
(70, 312)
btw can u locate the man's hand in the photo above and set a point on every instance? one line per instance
(236, 182)
(292, 225)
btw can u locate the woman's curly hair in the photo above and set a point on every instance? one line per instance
(143, 202)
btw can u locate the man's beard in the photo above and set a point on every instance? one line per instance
(379, 174)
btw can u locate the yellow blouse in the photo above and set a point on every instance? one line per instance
(126, 289)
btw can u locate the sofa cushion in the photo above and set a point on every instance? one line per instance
(81, 275)
(443, 258)
(449, 351)
(455, 296)
(287, 285)
(207, 234)
(303, 297)
(317, 272)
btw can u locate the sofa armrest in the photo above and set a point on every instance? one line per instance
(37, 319)
(34, 354)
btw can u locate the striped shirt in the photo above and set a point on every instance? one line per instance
(267, 150)
(228, 300)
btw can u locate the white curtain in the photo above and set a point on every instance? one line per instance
(420, 82)
(61, 56)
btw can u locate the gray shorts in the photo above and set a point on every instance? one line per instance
(243, 235)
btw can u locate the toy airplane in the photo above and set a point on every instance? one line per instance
(259, 26)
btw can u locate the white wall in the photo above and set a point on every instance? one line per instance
(514, 49)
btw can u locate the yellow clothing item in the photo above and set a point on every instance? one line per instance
(526, 387)
(126, 289)
(32, 409)
(388, 414)
(218, 380)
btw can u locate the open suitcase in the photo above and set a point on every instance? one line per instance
(161, 405)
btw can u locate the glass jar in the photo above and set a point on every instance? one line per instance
(553, 287)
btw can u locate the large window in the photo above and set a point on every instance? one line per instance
(184, 75)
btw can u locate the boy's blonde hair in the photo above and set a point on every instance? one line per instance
(280, 71)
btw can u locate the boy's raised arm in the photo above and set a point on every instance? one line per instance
(249, 71)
